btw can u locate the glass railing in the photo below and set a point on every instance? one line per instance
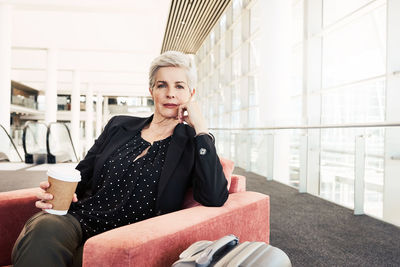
(28, 102)
(8, 150)
(34, 142)
(341, 163)
(59, 144)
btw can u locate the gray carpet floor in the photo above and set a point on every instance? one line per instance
(312, 231)
(315, 232)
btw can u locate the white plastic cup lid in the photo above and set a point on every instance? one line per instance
(56, 212)
(63, 173)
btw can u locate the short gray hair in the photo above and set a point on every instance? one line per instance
(174, 59)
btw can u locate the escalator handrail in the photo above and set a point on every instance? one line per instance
(69, 135)
(24, 134)
(12, 142)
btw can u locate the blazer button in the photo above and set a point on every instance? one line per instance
(159, 212)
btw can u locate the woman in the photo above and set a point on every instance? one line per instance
(138, 168)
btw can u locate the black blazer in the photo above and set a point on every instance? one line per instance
(190, 162)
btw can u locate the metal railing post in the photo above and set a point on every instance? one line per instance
(359, 175)
(303, 163)
(270, 157)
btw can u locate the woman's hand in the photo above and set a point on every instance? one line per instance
(43, 196)
(194, 117)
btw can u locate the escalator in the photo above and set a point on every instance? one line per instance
(42, 144)
(48, 144)
(60, 148)
(8, 150)
(34, 142)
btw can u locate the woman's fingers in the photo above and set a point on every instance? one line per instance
(43, 205)
(186, 119)
(75, 198)
(195, 117)
(44, 196)
(44, 185)
(193, 114)
(181, 111)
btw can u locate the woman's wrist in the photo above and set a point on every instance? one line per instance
(201, 130)
(201, 127)
(206, 133)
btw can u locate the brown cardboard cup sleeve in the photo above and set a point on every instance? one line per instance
(63, 181)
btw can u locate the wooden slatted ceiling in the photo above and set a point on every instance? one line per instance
(190, 22)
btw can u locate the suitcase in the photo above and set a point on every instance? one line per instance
(227, 252)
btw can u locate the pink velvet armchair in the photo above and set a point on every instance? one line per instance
(157, 241)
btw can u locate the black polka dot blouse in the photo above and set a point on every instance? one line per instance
(127, 189)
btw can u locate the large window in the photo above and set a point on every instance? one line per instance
(228, 65)
(353, 91)
(348, 68)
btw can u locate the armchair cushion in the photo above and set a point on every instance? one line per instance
(159, 240)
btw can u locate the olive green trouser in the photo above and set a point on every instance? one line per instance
(49, 240)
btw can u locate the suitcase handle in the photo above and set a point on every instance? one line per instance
(207, 255)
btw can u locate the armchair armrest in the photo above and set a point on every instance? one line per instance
(159, 241)
(238, 183)
(15, 209)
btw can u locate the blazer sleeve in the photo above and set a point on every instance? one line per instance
(209, 182)
(86, 165)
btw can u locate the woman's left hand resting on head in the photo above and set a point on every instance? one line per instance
(194, 117)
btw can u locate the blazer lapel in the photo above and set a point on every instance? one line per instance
(178, 142)
(137, 124)
(123, 134)
(118, 139)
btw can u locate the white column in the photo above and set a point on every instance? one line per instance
(89, 117)
(51, 86)
(75, 112)
(99, 114)
(275, 72)
(5, 64)
(391, 187)
(312, 75)
(303, 153)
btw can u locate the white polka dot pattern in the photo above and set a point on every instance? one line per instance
(127, 190)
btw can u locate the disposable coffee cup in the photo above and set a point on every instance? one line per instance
(63, 181)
